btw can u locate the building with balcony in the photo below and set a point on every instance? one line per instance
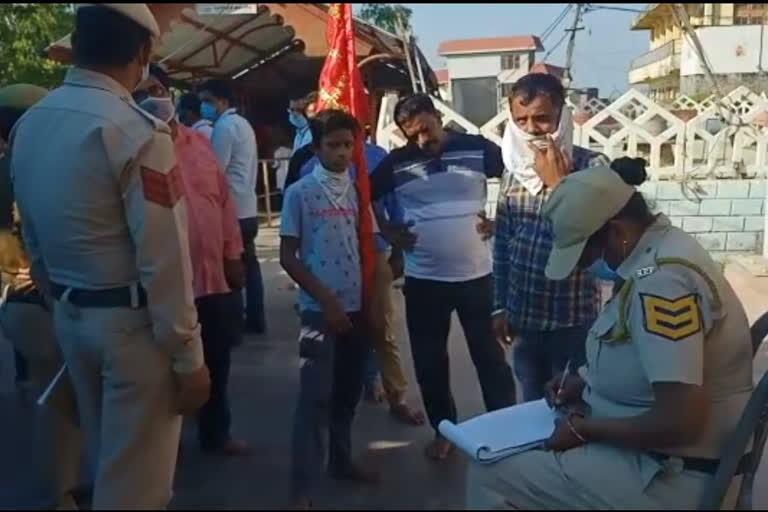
(481, 72)
(735, 42)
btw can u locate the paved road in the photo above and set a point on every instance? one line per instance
(264, 382)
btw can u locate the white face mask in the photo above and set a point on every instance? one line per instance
(519, 158)
(161, 108)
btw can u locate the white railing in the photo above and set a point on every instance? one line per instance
(707, 139)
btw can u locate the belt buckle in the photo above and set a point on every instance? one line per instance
(668, 463)
(71, 310)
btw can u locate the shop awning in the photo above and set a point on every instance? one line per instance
(234, 40)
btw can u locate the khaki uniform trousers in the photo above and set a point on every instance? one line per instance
(29, 328)
(590, 477)
(126, 395)
(385, 344)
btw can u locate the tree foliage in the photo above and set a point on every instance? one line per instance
(25, 31)
(385, 16)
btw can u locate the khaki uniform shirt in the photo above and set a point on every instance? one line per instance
(678, 330)
(96, 182)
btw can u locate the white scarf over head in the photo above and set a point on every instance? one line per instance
(519, 158)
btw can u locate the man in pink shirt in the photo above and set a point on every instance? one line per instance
(216, 251)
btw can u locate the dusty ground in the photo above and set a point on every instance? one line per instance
(264, 382)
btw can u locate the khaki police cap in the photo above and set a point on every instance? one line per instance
(139, 13)
(579, 206)
(21, 96)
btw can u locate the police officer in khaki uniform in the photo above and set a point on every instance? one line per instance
(669, 363)
(25, 321)
(106, 230)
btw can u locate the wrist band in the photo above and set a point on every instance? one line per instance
(573, 429)
(498, 312)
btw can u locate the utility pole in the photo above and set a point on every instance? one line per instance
(567, 77)
(403, 35)
(415, 54)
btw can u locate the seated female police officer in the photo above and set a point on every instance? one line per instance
(669, 363)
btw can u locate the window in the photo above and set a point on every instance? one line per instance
(748, 14)
(510, 61)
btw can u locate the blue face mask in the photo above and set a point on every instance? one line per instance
(208, 111)
(601, 270)
(297, 120)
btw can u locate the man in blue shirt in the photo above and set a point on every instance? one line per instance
(234, 142)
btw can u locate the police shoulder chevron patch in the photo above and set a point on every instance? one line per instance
(674, 319)
(163, 189)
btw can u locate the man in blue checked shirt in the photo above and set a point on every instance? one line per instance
(387, 352)
(547, 319)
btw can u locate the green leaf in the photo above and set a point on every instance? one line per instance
(385, 16)
(25, 31)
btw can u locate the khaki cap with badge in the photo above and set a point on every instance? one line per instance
(577, 208)
(139, 13)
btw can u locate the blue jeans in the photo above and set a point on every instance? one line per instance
(330, 385)
(21, 367)
(254, 287)
(371, 370)
(540, 355)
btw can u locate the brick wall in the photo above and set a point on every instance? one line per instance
(726, 216)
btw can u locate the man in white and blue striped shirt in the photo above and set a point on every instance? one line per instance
(439, 179)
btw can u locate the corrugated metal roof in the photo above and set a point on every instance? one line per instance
(204, 40)
(490, 44)
(196, 45)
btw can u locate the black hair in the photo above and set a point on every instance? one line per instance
(139, 96)
(308, 100)
(160, 74)
(220, 88)
(632, 171)
(104, 38)
(331, 120)
(412, 105)
(8, 117)
(190, 102)
(537, 84)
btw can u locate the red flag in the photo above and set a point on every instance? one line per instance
(341, 87)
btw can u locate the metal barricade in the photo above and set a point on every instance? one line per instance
(265, 165)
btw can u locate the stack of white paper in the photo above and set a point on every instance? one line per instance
(498, 434)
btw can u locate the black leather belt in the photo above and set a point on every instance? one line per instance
(26, 298)
(111, 298)
(708, 466)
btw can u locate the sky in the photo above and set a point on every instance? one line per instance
(602, 53)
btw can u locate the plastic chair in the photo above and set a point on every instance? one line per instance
(753, 423)
(759, 331)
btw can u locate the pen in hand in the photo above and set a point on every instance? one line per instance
(562, 382)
